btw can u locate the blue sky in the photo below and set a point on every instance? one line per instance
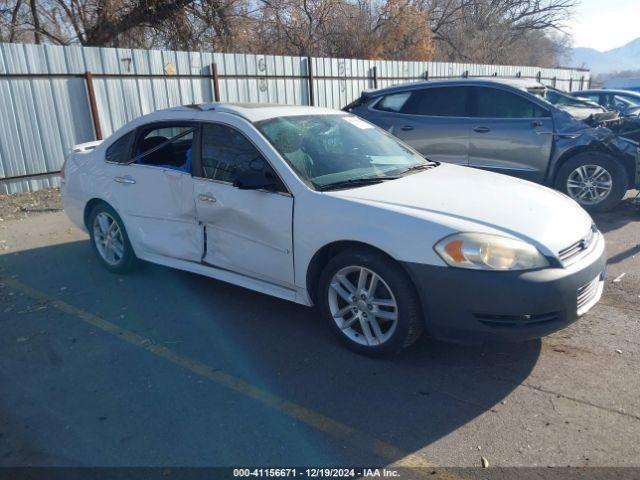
(605, 24)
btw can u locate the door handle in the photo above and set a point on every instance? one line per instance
(482, 129)
(406, 128)
(206, 198)
(127, 180)
(536, 123)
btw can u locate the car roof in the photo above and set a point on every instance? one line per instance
(255, 112)
(519, 83)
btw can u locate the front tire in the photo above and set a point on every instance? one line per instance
(370, 303)
(109, 239)
(597, 181)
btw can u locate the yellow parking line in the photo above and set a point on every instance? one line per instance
(298, 412)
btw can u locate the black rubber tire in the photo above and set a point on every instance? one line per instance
(410, 318)
(614, 167)
(128, 260)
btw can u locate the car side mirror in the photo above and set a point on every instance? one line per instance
(257, 177)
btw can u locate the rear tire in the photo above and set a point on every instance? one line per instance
(596, 180)
(109, 239)
(378, 316)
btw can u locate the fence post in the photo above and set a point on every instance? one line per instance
(582, 82)
(465, 74)
(426, 75)
(93, 105)
(554, 81)
(539, 77)
(312, 97)
(216, 84)
(374, 70)
(571, 84)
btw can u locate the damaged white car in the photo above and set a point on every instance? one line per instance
(320, 207)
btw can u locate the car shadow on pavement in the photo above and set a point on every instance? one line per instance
(408, 401)
(623, 213)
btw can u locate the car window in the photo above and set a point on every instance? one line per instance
(619, 103)
(393, 102)
(167, 146)
(327, 149)
(498, 103)
(226, 151)
(631, 99)
(120, 150)
(438, 102)
(595, 98)
(558, 97)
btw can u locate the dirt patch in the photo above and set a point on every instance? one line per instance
(22, 205)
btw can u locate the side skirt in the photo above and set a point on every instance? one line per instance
(297, 296)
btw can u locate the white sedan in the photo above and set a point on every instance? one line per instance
(320, 207)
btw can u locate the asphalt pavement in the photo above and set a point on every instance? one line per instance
(167, 368)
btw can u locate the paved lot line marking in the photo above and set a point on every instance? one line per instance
(298, 412)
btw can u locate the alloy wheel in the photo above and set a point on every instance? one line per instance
(108, 238)
(363, 305)
(589, 184)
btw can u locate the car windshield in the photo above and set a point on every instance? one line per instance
(556, 97)
(339, 150)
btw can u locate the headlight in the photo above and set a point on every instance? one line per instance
(481, 251)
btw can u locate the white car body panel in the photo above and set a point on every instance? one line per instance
(265, 241)
(248, 231)
(158, 209)
(476, 200)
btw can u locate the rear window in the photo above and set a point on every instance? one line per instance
(120, 150)
(393, 103)
(431, 102)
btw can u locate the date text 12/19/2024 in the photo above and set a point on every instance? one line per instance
(315, 472)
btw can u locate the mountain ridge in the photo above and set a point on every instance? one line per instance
(625, 57)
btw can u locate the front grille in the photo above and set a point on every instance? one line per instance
(514, 321)
(587, 294)
(576, 250)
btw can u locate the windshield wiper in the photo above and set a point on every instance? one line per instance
(354, 182)
(418, 167)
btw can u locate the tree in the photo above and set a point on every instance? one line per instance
(487, 31)
(396, 29)
(92, 22)
(497, 31)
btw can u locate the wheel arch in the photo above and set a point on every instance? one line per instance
(88, 208)
(330, 250)
(628, 165)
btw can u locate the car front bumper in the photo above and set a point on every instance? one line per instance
(473, 306)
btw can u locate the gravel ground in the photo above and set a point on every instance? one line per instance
(22, 205)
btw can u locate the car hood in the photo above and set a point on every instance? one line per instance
(466, 199)
(596, 116)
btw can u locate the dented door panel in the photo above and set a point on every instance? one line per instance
(159, 211)
(247, 231)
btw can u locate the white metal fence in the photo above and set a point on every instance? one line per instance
(54, 97)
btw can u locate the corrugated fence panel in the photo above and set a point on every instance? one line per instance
(47, 110)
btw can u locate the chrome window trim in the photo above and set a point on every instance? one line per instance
(221, 182)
